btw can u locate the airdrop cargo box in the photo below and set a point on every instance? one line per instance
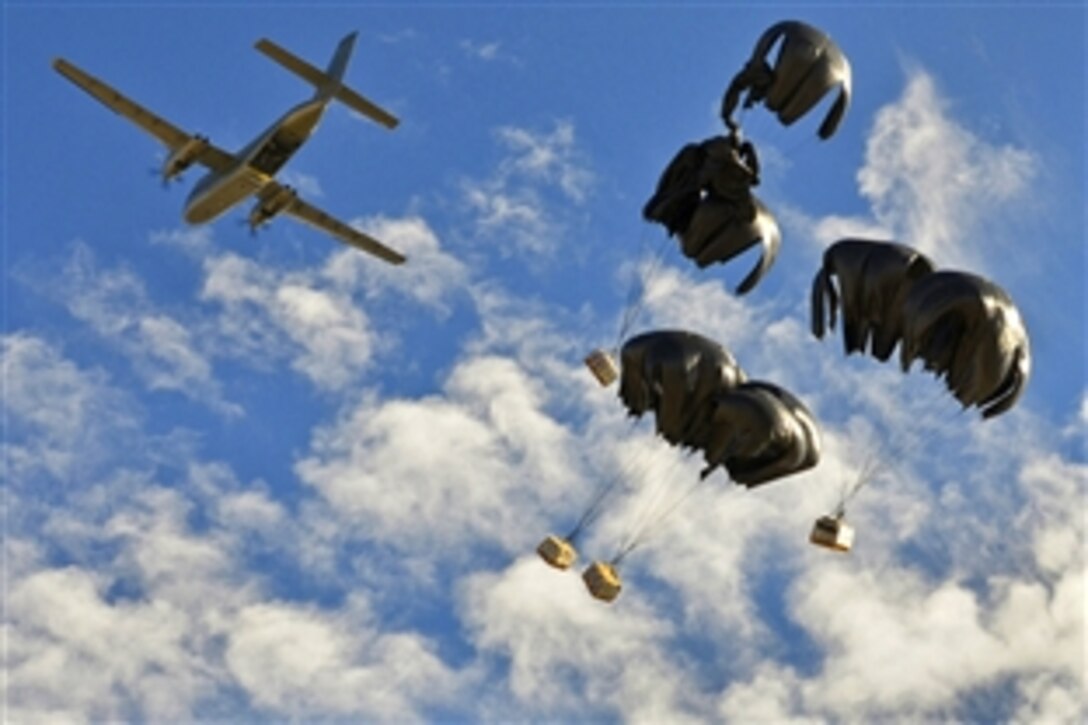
(603, 367)
(833, 533)
(603, 581)
(558, 552)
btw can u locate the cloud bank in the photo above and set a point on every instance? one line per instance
(389, 575)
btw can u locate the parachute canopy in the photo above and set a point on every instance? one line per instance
(703, 401)
(964, 328)
(704, 197)
(809, 64)
(760, 433)
(675, 374)
(872, 280)
(967, 330)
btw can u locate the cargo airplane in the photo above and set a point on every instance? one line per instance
(233, 178)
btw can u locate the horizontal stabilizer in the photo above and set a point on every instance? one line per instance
(371, 110)
(319, 79)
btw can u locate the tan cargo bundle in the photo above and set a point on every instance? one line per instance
(557, 552)
(603, 581)
(831, 532)
(603, 367)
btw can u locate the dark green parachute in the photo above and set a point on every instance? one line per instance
(869, 280)
(704, 197)
(676, 374)
(760, 433)
(967, 330)
(703, 401)
(809, 65)
(964, 328)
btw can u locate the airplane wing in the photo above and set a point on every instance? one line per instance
(313, 216)
(169, 134)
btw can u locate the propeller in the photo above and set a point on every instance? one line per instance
(156, 171)
(254, 229)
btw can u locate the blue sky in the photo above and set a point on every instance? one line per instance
(271, 478)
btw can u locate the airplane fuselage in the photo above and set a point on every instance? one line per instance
(255, 165)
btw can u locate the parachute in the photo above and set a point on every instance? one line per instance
(676, 374)
(760, 433)
(704, 197)
(967, 329)
(809, 65)
(964, 328)
(702, 401)
(872, 280)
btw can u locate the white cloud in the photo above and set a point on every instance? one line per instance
(932, 181)
(305, 663)
(430, 277)
(115, 304)
(566, 655)
(514, 204)
(481, 50)
(476, 464)
(155, 609)
(516, 216)
(143, 598)
(75, 657)
(333, 333)
(316, 317)
(328, 338)
(59, 418)
(553, 157)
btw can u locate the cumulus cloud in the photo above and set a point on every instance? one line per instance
(967, 577)
(58, 417)
(328, 338)
(315, 316)
(478, 463)
(431, 277)
(561, 654)
(130, 598)
(515, 203)
(76, 657)
(481, 50)
(162, 350)
(932, 181)
(901, 644)
(299, 661)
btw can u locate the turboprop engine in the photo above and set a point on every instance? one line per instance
(271, 200)
(183, 157)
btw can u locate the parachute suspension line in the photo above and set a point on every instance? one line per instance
(595, 507)
(655, 511)
(882, 455)
(869, 470)
(636, 295)
(654, 525)
(801, 148)
(654, 493)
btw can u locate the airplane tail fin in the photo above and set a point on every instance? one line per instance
(334, 74)
(329, 83)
